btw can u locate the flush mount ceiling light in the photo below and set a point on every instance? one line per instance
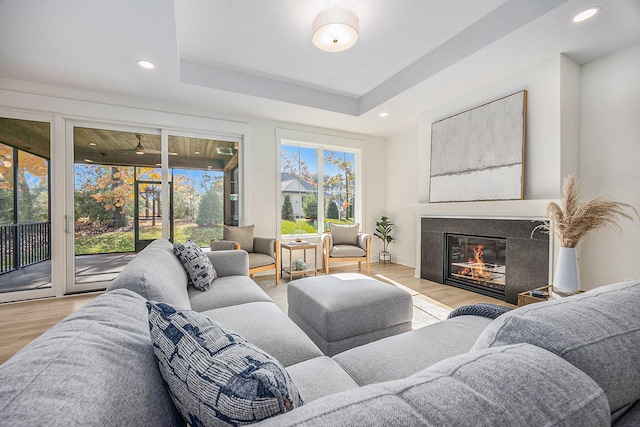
(335, 30)
(586, 14)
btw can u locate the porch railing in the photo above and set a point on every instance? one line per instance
(24, 244)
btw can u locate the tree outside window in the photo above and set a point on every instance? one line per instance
(299, 189)
(302, 207)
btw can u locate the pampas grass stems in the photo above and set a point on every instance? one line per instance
(571, 220)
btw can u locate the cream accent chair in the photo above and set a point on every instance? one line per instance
(344, 244)
(264, 252)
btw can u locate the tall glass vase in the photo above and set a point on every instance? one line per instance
(566, 277)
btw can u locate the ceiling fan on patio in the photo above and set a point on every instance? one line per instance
(140, 149)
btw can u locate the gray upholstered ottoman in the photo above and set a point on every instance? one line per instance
(342, 311)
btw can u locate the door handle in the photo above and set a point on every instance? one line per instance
(68, 224)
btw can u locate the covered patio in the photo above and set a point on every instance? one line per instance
(98, 269)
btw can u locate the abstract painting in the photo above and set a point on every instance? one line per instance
(479, 154)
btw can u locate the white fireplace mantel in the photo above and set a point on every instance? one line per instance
(503, 209)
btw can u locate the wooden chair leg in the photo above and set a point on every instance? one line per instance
(325, 264)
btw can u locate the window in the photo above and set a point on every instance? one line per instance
(317, 187)
(339, 187)
(299, 184)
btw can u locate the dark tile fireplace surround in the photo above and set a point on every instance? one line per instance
(527, 265)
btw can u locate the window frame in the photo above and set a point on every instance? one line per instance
(321, 143)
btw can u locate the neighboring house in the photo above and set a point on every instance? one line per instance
(297, 190)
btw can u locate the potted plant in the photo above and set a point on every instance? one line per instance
(571, 220)
(384, 226)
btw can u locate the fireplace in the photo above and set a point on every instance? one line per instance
(476, 263)
(518, 256)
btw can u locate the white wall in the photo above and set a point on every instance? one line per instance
(402, 191)
(609, 162)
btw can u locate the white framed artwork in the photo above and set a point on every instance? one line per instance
(478, 154)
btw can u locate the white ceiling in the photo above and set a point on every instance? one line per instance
(255, 58)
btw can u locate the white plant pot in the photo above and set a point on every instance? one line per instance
(566, 277)
(384, 256)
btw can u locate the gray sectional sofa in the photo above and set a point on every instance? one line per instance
(569, 362)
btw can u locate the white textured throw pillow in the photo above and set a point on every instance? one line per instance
(197, 265)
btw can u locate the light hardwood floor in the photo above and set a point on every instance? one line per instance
(22, 322)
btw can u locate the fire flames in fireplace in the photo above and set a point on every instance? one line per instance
(476, 270)
(476, 267)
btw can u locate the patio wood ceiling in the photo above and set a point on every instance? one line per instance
(119, 148)
(27, 135)
(109, 147)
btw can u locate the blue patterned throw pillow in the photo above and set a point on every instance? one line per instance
(214, 376)
(198, 266)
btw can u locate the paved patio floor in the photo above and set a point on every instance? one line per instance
(99, 269)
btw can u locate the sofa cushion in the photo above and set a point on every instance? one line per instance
(347, 251)
(260, 260)
(319, 377)
(598, 332)
(629, 416)
(405, 354)
(96, 367)
(265, 325)
(225, 292)
(196, 264)
(519, 385)
(243, 235)
(214, 375)
(344, 234)
(156, 274)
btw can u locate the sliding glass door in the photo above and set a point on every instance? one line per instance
(25, 208)
(125, 195)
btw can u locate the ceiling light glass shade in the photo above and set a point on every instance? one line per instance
(586, 14)
(335, 30)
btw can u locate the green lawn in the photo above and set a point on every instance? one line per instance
(122, 241)
(299, 226)
(304, 226)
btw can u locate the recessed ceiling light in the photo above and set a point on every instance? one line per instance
(586, 14)
(196, 152)
(145, 64)
(383, 114)
(225, 151)
(93, 144)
